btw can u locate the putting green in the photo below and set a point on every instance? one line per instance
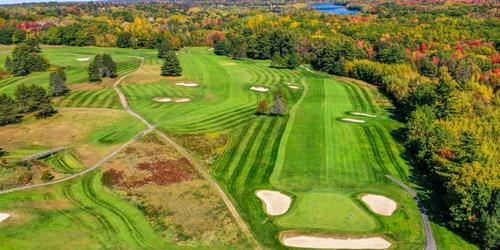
(337, 212)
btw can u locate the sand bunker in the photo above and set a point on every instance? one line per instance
(182, 100)
(168, 99)
(275, 202)
(363, 114)
(293, 87)
(162, 99)
(187, 84)
(325, 242)
(379, 204)
(4, 216)
(259, 89)
(83, 59)
(352, 120)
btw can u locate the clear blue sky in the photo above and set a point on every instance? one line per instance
(35, 1)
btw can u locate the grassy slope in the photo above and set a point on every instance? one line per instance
(74, 214)
(126, 59)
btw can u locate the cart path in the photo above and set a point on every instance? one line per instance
(429, 238)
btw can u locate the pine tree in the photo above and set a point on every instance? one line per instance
(57, 82)
(262, 108)
(45, 108)
(278, 107)
(7, 63)
(171, 65)
(94, 70)
(109, 64)
(163, 48)
(8, 110)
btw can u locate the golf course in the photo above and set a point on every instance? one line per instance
(155, 162)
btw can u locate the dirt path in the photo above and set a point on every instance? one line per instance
(429, 238)
(196, 164)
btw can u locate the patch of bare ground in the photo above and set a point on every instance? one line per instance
(206, 146)
(150, 73)
(175, 198)
(86, 86)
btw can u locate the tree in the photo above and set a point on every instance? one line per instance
(163, 48)
(222, 47)
(7, 63)
(278, 107)
(57, 82)
(30, 98)
(25, 60)
(8, 110)
(124, 40)
(428, 68)
(391, 53)
(171, 65)
(278, 61)
(45, 108)
(262, 108)
(110, 65)
(93, 71)
(293, 60)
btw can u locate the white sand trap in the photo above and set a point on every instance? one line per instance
(4, 216)
(187, 84)
(162, 99)
(259, 89)
(363, 114)
(83, 59)
(293, 87)
(325, 242)
(275, 202)
(352, 120)
(182, 100)
(379, 204)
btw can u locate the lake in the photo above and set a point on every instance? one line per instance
(333, 8)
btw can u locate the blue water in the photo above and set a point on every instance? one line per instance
(332, 8)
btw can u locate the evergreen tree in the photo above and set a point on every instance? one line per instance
(163, 48)
(293, 60)
(124, 40)
(8, 110)
(25, 61)
(278, 61)
(171, 66)
(428, 68)
(262, 108)
(45, 108)
(30, 98)
(94, 70)
(7, 63)
(110, 65)
(57, 82)
(33, 45)
(278, 107)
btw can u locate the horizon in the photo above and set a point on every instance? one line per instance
(6, 2)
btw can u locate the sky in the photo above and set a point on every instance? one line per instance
(37, 1)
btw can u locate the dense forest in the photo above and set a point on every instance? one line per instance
(438, 60)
